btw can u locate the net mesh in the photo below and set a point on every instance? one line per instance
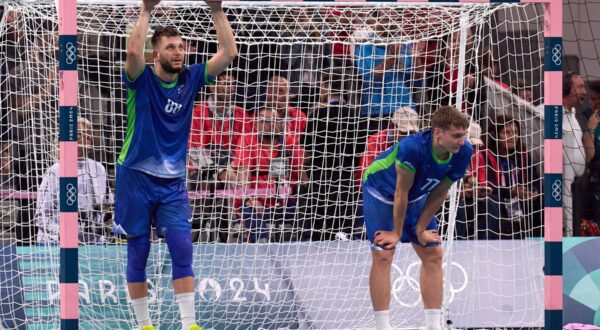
(316, 65)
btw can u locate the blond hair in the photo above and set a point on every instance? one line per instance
(448, 116)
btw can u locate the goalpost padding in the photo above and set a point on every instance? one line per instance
(267, 34)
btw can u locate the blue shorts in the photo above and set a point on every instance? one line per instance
(142, 199)
(379, 215)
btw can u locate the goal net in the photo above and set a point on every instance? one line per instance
(278, 232)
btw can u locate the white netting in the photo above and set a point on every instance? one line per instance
(314, 271)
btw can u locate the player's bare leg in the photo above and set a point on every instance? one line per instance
(380, 285)
(137, 290)
(431, 282)
(183, 285)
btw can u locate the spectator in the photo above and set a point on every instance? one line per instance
(591, 141)
(478, 215)
(339, 29)
(306, 58)
(93, 193)
(523, 90)
(405, 121)
(217, 126)
(268, 162)
(490, 64)
(278, 98)
(330, 141)
(574, 158)
(386, 70)
(514, 181)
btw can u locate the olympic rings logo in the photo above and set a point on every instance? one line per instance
(71, 194)
(71, 53)
(556, 189)
(405, 285)
(557, 54)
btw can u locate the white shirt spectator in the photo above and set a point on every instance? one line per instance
(92, 192)
(573, 163)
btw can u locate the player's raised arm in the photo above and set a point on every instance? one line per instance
(135, 62)
(227, 47)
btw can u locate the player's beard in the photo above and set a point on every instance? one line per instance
(166, 65)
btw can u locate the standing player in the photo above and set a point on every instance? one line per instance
(151, 167)
(402, 190)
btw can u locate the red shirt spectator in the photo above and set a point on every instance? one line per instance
(217, 126)
(208, 127)
(278, 99)
(256, 153)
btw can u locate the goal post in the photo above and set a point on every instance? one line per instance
(309, 265)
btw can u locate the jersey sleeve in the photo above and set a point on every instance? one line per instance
(463, 160)
(200, 76)
(135, 83)
(408, 156)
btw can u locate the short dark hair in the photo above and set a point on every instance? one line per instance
(164, 31)
(448, 116)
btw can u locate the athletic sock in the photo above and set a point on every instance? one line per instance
(187, 309)
(433, 319)
(382, 320)
(140, 309)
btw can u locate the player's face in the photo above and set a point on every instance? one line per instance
(170, 54)
(452, 139)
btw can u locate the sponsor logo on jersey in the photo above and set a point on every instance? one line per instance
(172, 107)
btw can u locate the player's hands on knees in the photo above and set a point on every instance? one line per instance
(386, 239)
(428, 236)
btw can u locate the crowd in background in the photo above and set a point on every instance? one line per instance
(293, 125)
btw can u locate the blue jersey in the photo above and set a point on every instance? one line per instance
(159, 116)
(415, 154)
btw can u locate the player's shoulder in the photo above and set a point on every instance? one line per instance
(416, 141)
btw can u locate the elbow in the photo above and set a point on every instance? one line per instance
(232, 54)
(227, 54)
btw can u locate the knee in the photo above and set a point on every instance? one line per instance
(383, 259)
(180, 247)
(138, 248)
(433, 257)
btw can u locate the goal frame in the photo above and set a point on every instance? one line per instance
(552, 81)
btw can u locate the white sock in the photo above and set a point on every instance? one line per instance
(187, 309)
(140, 309)
(433, 319)
(382, 320)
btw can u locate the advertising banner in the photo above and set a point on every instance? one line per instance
(321, 285)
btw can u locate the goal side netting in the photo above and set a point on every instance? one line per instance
(279, 240)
